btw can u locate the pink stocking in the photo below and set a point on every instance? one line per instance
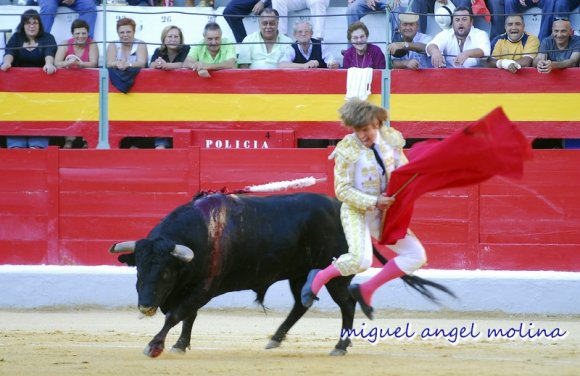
(323, 276)
(389, 272)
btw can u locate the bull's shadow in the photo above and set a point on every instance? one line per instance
(220, 243)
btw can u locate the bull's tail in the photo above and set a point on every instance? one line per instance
(419, 284)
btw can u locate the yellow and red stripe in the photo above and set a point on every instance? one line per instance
(427, 103)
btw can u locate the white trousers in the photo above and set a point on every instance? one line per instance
(358, 229)
(317, 10)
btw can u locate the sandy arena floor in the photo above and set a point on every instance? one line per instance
(99, 342)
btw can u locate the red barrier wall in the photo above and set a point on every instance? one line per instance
(425, 103)
(69, 206)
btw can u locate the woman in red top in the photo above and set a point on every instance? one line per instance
(80, 51)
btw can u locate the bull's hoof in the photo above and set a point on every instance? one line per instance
(180, 346)
(273, 344)
(338, 352)
(341, 346)
(177, 350)
(152, 352)
(356, 294)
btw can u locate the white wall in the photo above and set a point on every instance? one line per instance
(113, 287)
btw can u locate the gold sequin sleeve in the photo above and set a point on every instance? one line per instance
(346, 155)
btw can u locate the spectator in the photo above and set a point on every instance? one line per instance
(213, 52)
(29, 46)
(235, 11)
(317, 10)
(87, 10)
(550, 9)
(461, 46)
(172, 52)
(412, 47)
(357, 9)
(264, 48)
(515, 48)
(123, 57)
(560, 50)
(80, 51)
(307, 52)
(422, 7)
(362, 54)
(127, 51)
(170, 55)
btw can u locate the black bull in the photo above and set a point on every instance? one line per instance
(221, 243)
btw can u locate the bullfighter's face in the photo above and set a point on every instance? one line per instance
(368, 134)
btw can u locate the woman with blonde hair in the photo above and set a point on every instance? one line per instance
(172, 52)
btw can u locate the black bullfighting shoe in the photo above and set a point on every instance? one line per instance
(307, 296)
(367, 309)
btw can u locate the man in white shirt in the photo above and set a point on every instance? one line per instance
(307, 52)
(264, 48)
(461, 46)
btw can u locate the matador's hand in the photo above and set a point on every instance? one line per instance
(385, 202)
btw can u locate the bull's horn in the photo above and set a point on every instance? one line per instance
(183, 253)
(128, 246)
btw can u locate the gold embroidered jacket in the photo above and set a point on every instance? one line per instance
(358, 179)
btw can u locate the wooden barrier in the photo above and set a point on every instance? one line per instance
(69, 206)
(425, 104)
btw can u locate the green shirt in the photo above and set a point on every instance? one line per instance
(201, 53)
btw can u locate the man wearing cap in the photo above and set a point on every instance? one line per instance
(410, 53)
(515, 48)
(461, 46)
(560, 50)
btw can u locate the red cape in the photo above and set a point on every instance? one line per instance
(491, 146)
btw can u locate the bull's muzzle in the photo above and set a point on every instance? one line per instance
(147, 311)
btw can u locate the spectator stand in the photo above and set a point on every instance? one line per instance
(156, 18)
